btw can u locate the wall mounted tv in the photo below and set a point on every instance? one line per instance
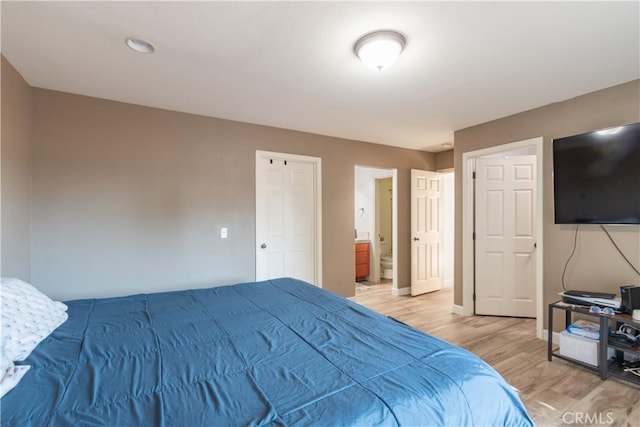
(596, 177)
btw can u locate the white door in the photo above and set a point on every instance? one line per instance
(286, 217)
(426, 232)
(505, 236)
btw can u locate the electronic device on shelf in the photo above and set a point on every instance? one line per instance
(589, 294)
(630, 298)
(588, 301)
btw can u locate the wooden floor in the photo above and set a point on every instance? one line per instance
(555, 393)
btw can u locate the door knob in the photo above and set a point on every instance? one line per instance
(416, 239)
(263, 246)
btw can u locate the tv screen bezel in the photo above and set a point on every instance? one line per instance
(599, 220)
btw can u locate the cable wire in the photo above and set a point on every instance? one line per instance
(619, 250)
(573, 251)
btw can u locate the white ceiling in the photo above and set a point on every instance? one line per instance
(291, 64)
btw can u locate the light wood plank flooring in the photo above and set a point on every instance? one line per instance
(555, 393)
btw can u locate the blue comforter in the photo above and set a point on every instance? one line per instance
(280, 352)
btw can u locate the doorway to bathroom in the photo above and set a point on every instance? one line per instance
(375, 220)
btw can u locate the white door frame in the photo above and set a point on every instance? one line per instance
(394, 226)
(468, 217)
(375, 240)
(448, 239)
(394, 231)
(317, 171)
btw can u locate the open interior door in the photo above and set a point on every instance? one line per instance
(426, 232)
(505, 236)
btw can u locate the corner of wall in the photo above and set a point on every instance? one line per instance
(15, 174)
(444, 160)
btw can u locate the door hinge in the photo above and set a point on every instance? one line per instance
(474, 296)
(473, 236)
(473, 175)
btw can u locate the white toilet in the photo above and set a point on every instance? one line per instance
(386, 262)
(386, 267)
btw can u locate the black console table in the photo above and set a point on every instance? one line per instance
(605, 368)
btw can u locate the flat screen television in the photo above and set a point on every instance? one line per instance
(596, 177)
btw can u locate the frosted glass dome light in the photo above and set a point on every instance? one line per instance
(380, 49)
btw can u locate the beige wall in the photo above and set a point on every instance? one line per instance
(596, 264)
(130, 199)
(444, 160)
(16, 174)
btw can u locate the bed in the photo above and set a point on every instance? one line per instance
(279, 352)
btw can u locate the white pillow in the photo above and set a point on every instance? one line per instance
(11, 377)
(28, 317)
(26, 292)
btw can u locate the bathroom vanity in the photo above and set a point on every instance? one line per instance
(362, 260)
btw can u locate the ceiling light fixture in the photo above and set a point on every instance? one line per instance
(139, 45)
(380, 49)
(447, 145)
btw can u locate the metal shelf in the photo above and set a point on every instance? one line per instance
(606, 367)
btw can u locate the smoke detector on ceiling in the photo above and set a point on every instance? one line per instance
(139, 45)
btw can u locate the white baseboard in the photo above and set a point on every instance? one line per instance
(401, 291)
(447, 284)
(555, 337)
(457, 309)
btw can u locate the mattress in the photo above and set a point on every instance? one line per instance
(279, 352)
